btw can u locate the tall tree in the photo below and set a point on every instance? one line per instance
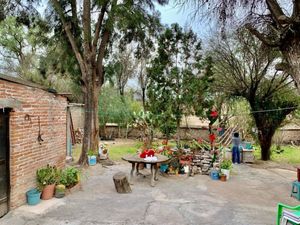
(122, 68)
(274, 22)
(89, 40)
(245, 68)
(21, 46)
(113, 109)
(145, 53)
(23, 10)
(143, 79)
(175, 75)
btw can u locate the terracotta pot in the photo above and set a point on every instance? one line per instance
(48, 192)
(223, 178)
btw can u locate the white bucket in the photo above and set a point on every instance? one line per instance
(226, 172)
(186, 169)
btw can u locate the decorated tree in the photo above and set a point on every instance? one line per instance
(177, 76)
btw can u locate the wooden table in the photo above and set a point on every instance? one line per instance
(135, 160)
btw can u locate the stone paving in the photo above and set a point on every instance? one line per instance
(248, 198)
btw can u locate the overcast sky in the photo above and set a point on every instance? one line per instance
(184, 17)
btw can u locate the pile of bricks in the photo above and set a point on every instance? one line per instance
(202, 162)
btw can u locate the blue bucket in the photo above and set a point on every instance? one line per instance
(33, 196)
(92, 160)
(214, 175)
(164, 167)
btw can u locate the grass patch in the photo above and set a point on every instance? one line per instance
(290, 154)
(117, 151)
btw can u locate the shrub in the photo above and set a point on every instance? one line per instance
(91, 152)
(69, 177)
(226, 164)
(46, 176)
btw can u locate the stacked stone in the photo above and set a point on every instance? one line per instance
(202, 163)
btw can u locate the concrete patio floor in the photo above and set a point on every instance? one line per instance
(248, 198)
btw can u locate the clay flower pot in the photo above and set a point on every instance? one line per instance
(223, 177)
(48, 191)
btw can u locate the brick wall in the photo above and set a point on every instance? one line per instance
(26, 153)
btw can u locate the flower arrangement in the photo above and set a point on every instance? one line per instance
(147, 153)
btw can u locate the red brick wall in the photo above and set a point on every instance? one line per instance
(26, 153)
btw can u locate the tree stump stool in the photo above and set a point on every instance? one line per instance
(121, 183)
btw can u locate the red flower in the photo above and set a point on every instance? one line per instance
(212, 137)
(214, 114)
(147, 152)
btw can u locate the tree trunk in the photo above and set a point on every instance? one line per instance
(265, 141)
(292, 58)
(144, 98)
(91, 123)
(291, 53)
(121, 183)
(178, 132)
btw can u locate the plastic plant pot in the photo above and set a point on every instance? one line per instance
(92, 160)
(164, 167)
(33, 196)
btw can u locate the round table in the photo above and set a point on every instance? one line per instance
(135, 160)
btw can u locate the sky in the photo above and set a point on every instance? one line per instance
(184, 17)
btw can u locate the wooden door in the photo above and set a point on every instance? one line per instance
(4, 161)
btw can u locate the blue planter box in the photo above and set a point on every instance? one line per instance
(214, 175)
(92, 160)
(33, 196)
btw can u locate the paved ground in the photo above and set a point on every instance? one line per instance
(248, 198)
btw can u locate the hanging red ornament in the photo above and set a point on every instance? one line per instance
(212, 137)
(214, 114)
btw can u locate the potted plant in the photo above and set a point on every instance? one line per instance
(92, 158)
(225, 166)
(222, 177)
(70, 176)
(46, 180)
(60, 190)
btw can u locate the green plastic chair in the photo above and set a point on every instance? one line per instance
(291, 215)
